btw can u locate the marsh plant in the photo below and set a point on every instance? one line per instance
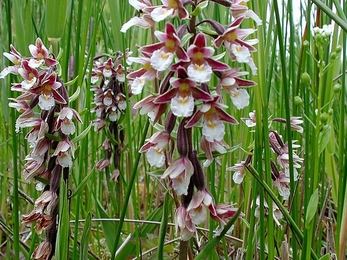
(219, 129)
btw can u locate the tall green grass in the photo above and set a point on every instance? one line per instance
(295, 78)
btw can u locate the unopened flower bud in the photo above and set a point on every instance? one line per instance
(338, 49)
(337, 88)
(306, 43)
(305, 78)
(333, 55)
(298, 101)
(182, 140)
(198, 176)
(170, 122)
(324, 117)
(330, 111)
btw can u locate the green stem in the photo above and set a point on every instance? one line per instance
(128, 192)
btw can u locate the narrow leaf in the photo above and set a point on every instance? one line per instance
(85, 238)
(311, 208)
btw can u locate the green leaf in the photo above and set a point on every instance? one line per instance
(311, 208)
(109, 228)
(71, 82)
(56, 11)
(325, 257)
(75, 95)
(163, 227)
(82, 184)
(85, 237)
(323, 138)
(199, 8)
(82, 135)
(206, 251)
(62, 244)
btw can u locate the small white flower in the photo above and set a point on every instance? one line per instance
(182, 106)
(213, 130)
(137, 85)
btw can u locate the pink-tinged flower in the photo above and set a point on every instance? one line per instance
(183, 94)
(99, 124)
(36, 133)
(282, 184)
(184, 223)
(169, 43)
(145, 21)
(240, 173)
(47, 89)
(179, 173)
(27, 119)
(250, 122)
(197, 206)
(277, 214)
(231, 83)
(242, 55)
(102, 164)
(121, 101)
(222, 213)
(147, 72)
(234, 35)
(295, 122)
(46, 201)
(213, 117)
(120, 75)
(40, 55)
(34, 167)
(239, 9)
(43, 221)
(155, 148)
(43, 251)
(30, 76)
(62, 151)
(170, 8)
(64, 121)
(202, 64)
(147, 106)
(16, 58)
(137, 85)
(209, 147)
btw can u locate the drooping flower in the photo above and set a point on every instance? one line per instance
(179, 173)
(155, 148)
(170, 8)
(184, 223)
(250, 122)
(64, 121)
(145, 21)
(239, 8)
(16, 58)
(240, 173)
(197, 206)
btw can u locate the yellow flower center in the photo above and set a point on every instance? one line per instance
(230, 37)
(173, 4)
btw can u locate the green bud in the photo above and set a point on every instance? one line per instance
(333, 55)
(330, 111)
(306, 43)
(305, 78)
(337, 88)
(324, 118)
(338, 48)
(298, 101)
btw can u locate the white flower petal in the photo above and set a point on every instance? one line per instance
(182, 106)
(161, 60)
(200, 73)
